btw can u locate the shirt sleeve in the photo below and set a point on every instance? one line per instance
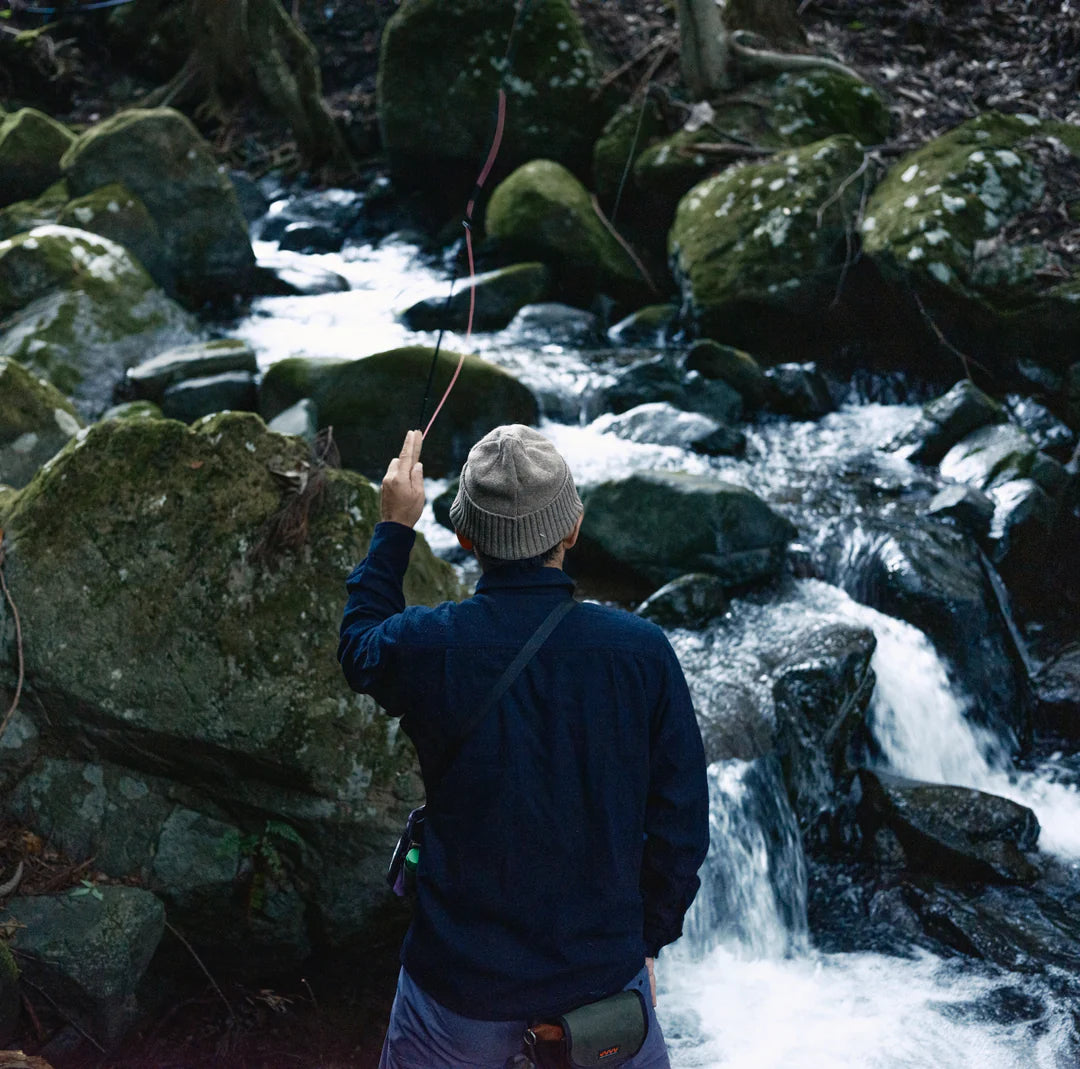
(676, 813)
(368, 626)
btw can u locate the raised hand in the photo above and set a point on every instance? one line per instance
(403, 483)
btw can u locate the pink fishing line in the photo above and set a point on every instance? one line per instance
(496, 141)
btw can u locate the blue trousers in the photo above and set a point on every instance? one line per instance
(423, 1034)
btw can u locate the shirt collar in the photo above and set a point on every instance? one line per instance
(510, 578)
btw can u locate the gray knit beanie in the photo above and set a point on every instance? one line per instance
(516, 498)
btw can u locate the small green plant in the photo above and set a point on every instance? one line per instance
(260, 859)
(86, 887)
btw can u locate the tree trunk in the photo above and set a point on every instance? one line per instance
(255, 45)
(704, 48)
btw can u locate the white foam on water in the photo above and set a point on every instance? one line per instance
(845, 1011)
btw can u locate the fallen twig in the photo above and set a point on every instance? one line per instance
(206, 971)
(13, 883)
(625, 244)
(56, 1006)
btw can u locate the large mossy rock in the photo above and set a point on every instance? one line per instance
(80, 310)
(660, 525)
(210, 661)
(88, 950)
(794, 110)
(117, 214)
(440, 69)
(161, 158)
(954, 832)
(36, 421)
(31, 145)
(942, 223)
(756, 264)
(370, 403)
(542, 210)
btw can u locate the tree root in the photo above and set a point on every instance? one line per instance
(758, 59)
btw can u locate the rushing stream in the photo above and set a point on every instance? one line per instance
(746, 987)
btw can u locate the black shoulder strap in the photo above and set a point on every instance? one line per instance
(502, 684)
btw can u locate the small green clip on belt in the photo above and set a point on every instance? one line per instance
(605, 1033)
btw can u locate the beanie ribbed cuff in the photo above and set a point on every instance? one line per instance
(517, 537)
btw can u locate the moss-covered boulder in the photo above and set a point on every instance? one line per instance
(790, 111)
(160, 157)
(733, 366)
(370, 404)
(117, 214)
(36, 420)
(440, 70)
(949, 222)
(495, 296)
(24, 215)
(758, 250)
(660, 525)
(80, 310)
(210, 662)
(542, 210)
(31, 144)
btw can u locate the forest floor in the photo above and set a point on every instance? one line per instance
(938, 62)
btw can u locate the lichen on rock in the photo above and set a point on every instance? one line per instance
(759, 249)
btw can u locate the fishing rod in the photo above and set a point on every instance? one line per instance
(467, 223)
(70, 9)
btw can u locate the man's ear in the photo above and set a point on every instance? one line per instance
(572, 537)
(465, 543)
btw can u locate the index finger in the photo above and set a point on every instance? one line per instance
(410, 449)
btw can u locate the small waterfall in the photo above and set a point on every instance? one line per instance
(918, 718)
(753, 884)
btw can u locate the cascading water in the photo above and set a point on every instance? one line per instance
(744, 989)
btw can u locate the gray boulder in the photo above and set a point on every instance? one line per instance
(498, 296)
(153, 377)
(301, 420)
(799, 391)
(663, 379)
(945, 421)
(36, 421)
(970, 509)
(160, 157)
(738, 369)
(662, 424)
(990, 456)
(285, 276)
(957, 833)
(231, 391)
(552, 323)
(649, 326)
(659, 525)
(691, 601)
(1057, 691)
(369, 402)
(821, 691)
(89, 948)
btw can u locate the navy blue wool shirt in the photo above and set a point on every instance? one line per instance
(562, 845)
